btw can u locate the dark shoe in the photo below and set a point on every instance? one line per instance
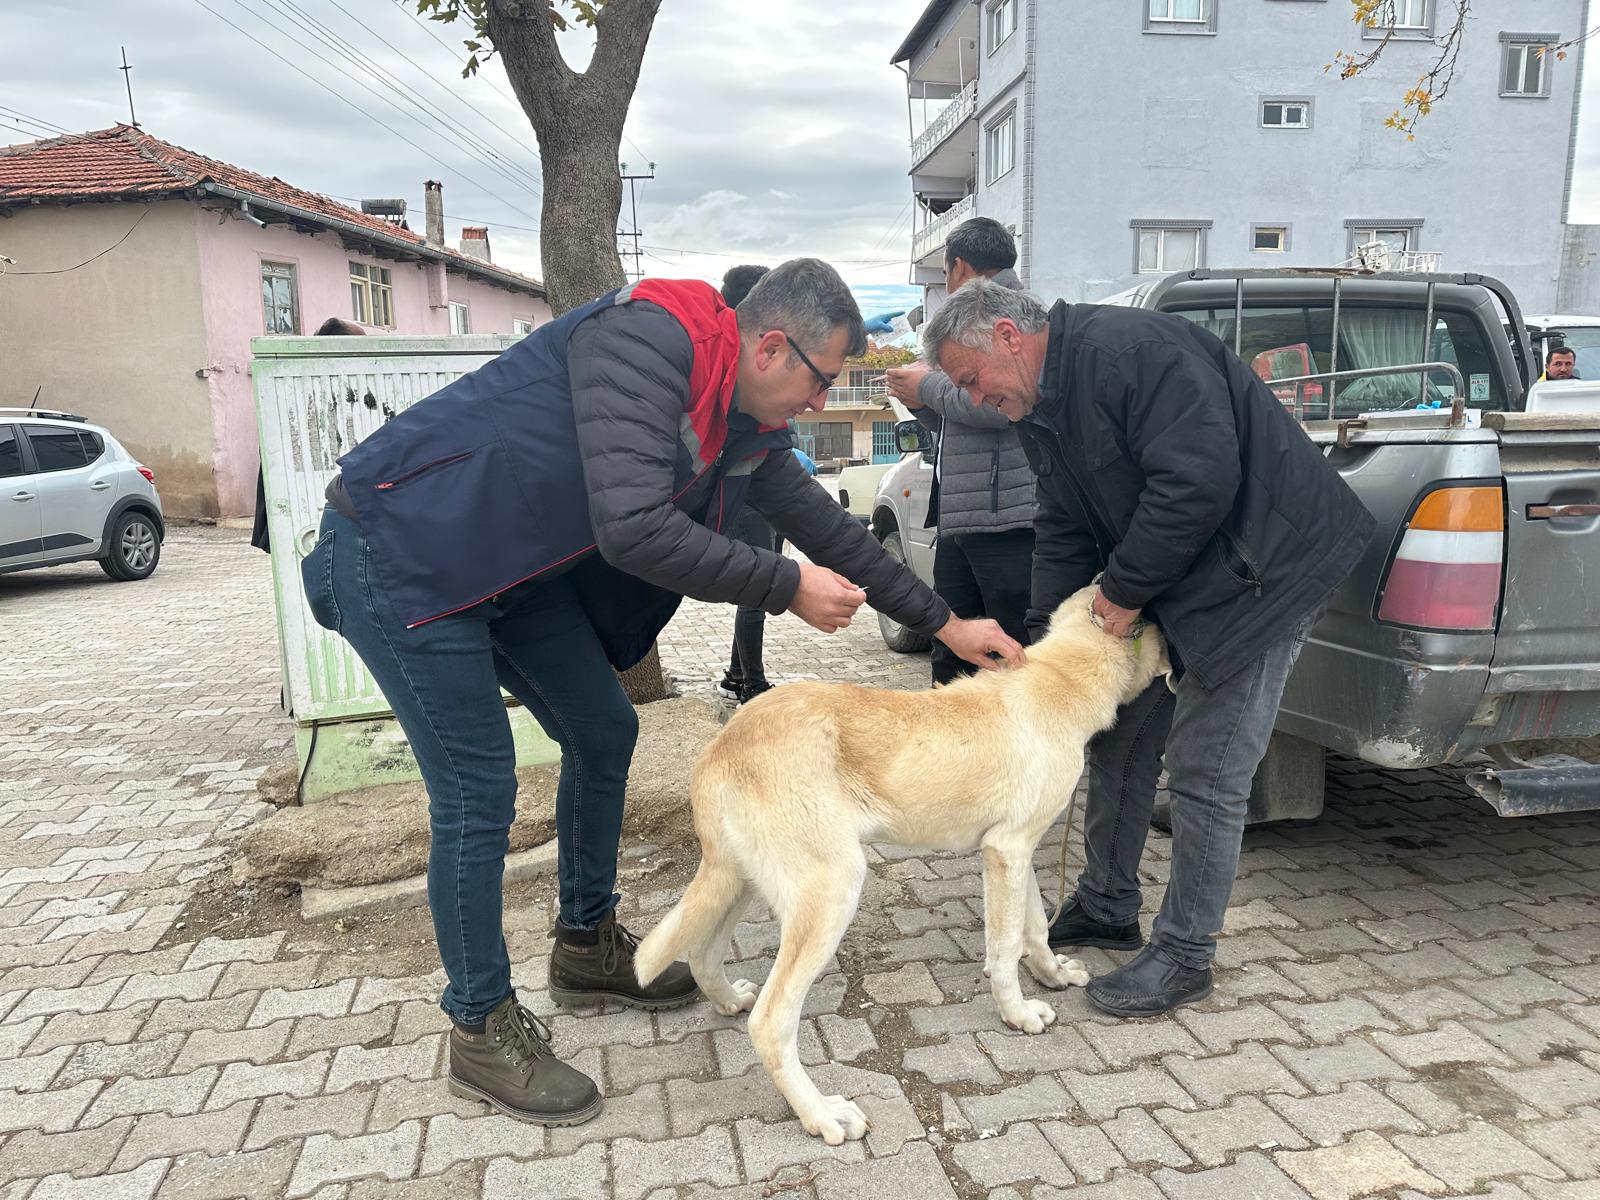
(587, 967)
(511, 1067)
(731, 683)
(1074, 927)
(1148, 986)
(749, 690)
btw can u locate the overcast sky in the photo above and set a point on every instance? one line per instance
(777, 127)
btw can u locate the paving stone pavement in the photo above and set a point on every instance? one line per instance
(1405, 1002)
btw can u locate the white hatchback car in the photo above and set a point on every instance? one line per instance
(70, 492)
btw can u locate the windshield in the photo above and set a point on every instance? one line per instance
(1280, 342)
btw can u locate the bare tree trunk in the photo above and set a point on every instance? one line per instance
(578, 119)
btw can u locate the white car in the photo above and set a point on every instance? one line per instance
(69, 492)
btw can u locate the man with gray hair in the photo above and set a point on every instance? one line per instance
(532, 526)
(1168, 472)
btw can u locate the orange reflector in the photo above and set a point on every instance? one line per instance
(1462, 509)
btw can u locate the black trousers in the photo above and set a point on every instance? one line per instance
(749, 624)
(982, 575)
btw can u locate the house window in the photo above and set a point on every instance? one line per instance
(1001, 22)
(1000, 147)
(459, 321)
(1410, 19)
(521, 326)
(1524, 68)
(1286, 114)
(371, 295)
(1269, 238)
(1410, 14)
(1399, 236)
(280, 298)
(1180, 16)
(1169, 246)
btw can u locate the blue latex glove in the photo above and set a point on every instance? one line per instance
(883, 322)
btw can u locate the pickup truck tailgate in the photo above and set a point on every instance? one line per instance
(1547, 654)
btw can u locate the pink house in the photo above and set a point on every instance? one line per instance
(141, 271)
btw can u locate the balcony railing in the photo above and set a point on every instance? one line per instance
(932, 235)
(857, 397)
(950, 118)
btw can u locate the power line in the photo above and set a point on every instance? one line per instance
(460, 100)
(91, 258)
(343, 99)
(461, 58)
(339, 46)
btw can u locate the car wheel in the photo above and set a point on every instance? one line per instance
(135, 548)
(895, 635)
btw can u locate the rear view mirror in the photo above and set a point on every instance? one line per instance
(913, 437)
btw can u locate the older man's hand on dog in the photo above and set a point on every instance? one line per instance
(1113, 618)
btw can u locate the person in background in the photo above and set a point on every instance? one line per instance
(983, 491)
(1560, 363)
(746, 676)
(805, 461)
(259, 537)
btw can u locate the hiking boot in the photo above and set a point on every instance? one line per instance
(1074, 927)
(590, 966)
(750, 689)
(511, 1068)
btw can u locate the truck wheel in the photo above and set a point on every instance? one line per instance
(895, 635)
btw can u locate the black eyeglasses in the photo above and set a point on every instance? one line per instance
(824, 382)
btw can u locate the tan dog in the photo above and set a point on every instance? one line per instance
(786, 794)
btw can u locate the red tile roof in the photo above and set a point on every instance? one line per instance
(124, 163)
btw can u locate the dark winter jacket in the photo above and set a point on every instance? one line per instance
(984, 482)
(1164, 462)
(609, 433)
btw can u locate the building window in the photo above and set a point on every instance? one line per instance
(1272, 239)
(1525, 64)
(1286, 113)
(1412, 19)
(371, 295)
(1000, 147)
(459, 321)
(1180, 16)
(521, 326)
(1161, 246)
(1399, 236)
(1001, 22)
(280, 298)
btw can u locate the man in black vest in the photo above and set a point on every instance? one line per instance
(1168, 472)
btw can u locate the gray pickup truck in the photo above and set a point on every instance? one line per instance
(1471, 631)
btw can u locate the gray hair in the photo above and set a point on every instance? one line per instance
(968, 317)
(806, 299)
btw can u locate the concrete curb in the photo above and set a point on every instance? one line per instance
(320, 904)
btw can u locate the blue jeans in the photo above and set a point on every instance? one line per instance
(1213, 741)
(443, 681)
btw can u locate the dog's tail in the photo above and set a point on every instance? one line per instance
(689, 927)
(693, 921)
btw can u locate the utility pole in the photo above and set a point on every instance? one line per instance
(127, 79)
(637, 254)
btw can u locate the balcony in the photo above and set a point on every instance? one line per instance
(931, 237)
(960, 110)
(858, 397)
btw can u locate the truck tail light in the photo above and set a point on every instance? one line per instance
(1447, 572)
(146, 472)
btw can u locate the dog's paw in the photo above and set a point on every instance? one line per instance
(838, 1121)
(1034, 1016)
(744, 998)
(1057, 970)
